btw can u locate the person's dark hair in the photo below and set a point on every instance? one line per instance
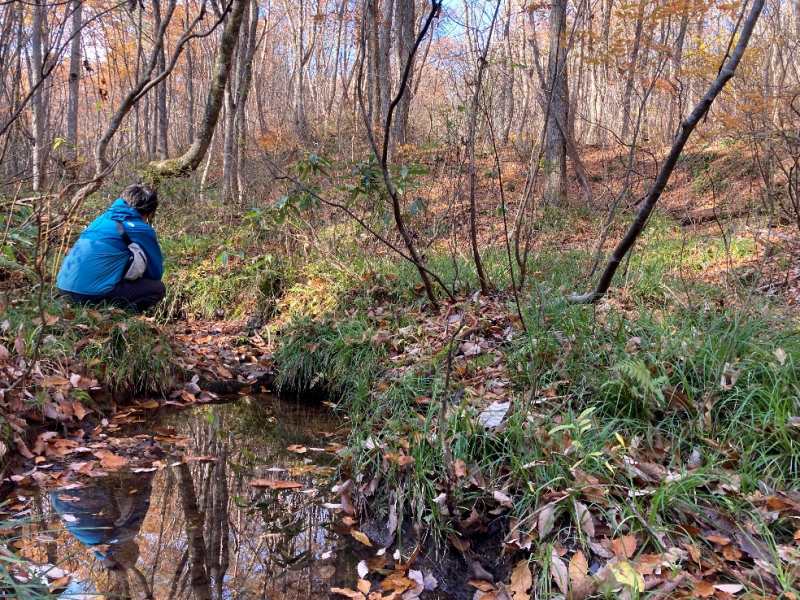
(142, 198)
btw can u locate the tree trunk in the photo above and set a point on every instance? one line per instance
(405, 20)
(161, 121)
(74, 89)
(384, 57)
(555, 151)
(631, 78)
(245, 82)
(189, 87)
(471, 134)
(676, 102)
(38, 124)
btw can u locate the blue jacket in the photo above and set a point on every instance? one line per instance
(99, 259)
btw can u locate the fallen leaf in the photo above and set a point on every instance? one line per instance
(109, 460)
(470, 349)
(459, 468)
(503, 499)
(348, 593)
(276, 484)
(149, 404)
(362, 569)
(521, 581)
(493, 415)
(396, 582)
(729, 377)
(578, 567)
(80, 410)
(780, 355)
(361, 537)
(559, 572)
(585, 519)
(625, 546)
(363, 586)
(297, 449)
(626, 575)
(729, 588)
(703, 589)
(722, 540)
(482, 585)
(546, 520)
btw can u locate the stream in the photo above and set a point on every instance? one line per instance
(242, 487)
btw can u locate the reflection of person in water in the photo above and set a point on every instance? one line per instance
(106, 517)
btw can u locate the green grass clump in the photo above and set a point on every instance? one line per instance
(133, 357)
(340, 358)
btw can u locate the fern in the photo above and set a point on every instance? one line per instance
(634, 375)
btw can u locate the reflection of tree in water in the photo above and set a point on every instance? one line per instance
(235, 540)
(199, 530)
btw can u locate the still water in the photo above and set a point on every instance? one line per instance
(191, 524)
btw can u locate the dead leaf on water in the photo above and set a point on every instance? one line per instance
(348, 593)
(361, 537)
(276, 484)
(109, 460)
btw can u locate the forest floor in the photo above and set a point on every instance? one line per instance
(648, 446)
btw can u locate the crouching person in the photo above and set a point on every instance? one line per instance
(117, 258)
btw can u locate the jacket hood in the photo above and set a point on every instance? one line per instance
(121, 210)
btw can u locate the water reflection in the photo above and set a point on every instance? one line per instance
(197, 528)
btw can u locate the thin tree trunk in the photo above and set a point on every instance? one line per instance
(471, 134)
(631, 78)
(405, 20)
(245, 82)
(161, 117)
(74, 88)
(39, 124)
(555, 152)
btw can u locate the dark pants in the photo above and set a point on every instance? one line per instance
(138, 295)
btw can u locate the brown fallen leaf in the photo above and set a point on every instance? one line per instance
(521, 581)
(482, 585)
(459, 468)
(703, 589)
(363, 586)
(80, 410)
(722, 540)
(348, 593)
(22, 448)
(149, 404)
(276, 484)
(109, 460)
(625, 546)
(396, 582)
(297, 449)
